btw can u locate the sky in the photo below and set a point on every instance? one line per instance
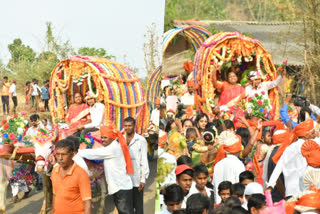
(118, 26)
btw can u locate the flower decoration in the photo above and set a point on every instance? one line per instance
(257, 106)
(12, 129)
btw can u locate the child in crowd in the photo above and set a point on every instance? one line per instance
(246, 177)
(191, 136)
(237, 190)
(224, 191)
(173, 197)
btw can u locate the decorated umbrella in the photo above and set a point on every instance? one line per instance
(112, 83)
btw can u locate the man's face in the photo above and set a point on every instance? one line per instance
(91, 101)
(185, 182)
(106, 140)
(190, 89)
(34, 123)
(5, 80)
(128, 127)
(64, 157)
(245, 182)
(224, 194)
(157, 106)
(173, 206)
(201, 180)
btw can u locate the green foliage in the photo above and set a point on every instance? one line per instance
(20, 52)
(99, 52)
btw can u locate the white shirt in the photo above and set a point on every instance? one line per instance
(155, 116)
(264, 86)
(187, 99)
(164, 211)
(79, 160)
(194, 190)
(13, 89)
(97, 116)
(114, 166)
(293, 165)
(138, 153)
(33, 132)
(35, 90)
(228, 169)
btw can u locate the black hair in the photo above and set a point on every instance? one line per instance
(75, 140)
(239, 210)
(187, 172)
(244, 134)
(200, 169)
(221, 209)
(232, 201)
(168, 126)
(209, 135)
(224, 185)
(264, 132)
(197, 203)
(130, 120)
(34, 80)
(257, 201)
(181, 211)
(34, 117)
(199, 116)
(161, 126)
(5, 77)
(78, 93)
(302, 113)
(27, 83)
(185, 120)
(65, 144)
(190, 131)
(217, 124)
(184, 159)
(237, 189)
(246, 175)
(173, 193)
(229, 124)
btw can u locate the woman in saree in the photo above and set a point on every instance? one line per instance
(28, 90)
(78, 114)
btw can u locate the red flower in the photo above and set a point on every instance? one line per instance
(260, 102)
(255, 94)
(15, 141)
(6, 126)
(15, 115)
(249, 99)
(262, 92)
(12, 136)
(3, 122)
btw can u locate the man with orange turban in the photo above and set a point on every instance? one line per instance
(117, 166)
(155, 114)
(227, 166)
(311, 151)
(291, 162)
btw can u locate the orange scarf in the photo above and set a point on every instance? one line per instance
(109, 130)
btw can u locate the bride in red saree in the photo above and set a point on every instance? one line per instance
(78, 114)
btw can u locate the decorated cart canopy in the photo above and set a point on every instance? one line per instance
(153, 90)
(232, 49)
(176, 43)
(112, 83)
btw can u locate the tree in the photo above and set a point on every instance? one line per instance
(99, 52)
(151, 49)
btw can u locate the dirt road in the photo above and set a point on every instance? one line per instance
(32, 204)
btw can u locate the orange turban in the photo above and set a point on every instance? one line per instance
(190, 83)
(311, 151)
(232, 148)
(188, 66)
(157, 101)
(300, 130)
(308, 200)
(281, 138)
(189, 111)
(303, 128)
(109, 130)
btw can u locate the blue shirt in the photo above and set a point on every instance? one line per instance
(45, 93)
(285, 117)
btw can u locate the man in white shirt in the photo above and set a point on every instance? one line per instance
(35, 94)
(184, 174)
(188, 98)
(138, 151)
(96, 113)
(155, 114)
(228, 167)
(117, 166)
(13, 94)
(291, 162)
(35, 126)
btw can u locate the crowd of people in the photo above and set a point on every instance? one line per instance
(236, 159)
(33, 92)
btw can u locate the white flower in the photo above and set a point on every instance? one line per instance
(20, 130)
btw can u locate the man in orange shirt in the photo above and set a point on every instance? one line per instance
(71, 184)
(5, 95)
